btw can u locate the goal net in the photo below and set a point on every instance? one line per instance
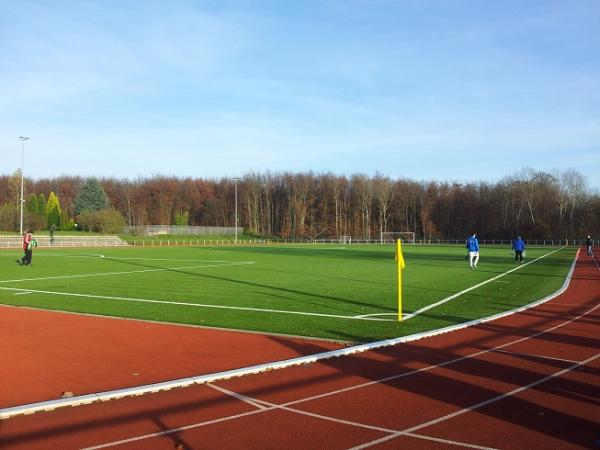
(346, 239)
(390, 237)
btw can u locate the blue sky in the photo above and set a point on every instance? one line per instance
(443, 90)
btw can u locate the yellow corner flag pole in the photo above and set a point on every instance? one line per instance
(400, 260)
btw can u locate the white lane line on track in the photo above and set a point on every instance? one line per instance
(393, 433)
(531, 355)
(196, 305)
(478, 405)
(103, 274)
(251, 401)
(464, 291)
(448, 442)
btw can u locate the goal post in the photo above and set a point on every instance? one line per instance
(346, 239)
(391, 237)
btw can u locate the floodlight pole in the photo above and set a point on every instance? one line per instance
(235, 182)
(23, 139)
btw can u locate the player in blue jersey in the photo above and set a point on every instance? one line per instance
(473, 248)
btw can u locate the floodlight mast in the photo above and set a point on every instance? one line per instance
(235, 182)
(23, 139)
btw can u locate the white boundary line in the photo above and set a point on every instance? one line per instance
(119, 258)
(197, 305)
(458, 294)
(101, 274)
(234, 373)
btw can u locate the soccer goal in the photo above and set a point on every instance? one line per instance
(390, 237)
(346, 239)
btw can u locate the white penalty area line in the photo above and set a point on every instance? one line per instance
(196, 305)
(101, 274)
(458, 294)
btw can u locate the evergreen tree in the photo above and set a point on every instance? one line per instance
(53, 210)
(91, 198)
(41, 205)
(32, 205)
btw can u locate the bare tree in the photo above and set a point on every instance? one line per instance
(383, 188)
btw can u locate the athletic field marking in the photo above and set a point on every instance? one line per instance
(201, 379)
(264, 406)
(362, 425)
(449, 442)
(464, 291)
(300, 249)
(394, 433)
(23, 293)
(119, 258)
(531, 355)
(317, 248)
(377, 314)
(251, 401)
(480, 404)
(197, 305)
(101, 274)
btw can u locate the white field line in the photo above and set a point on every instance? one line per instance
(196, 305)
(458, 294)
(210, 378)
(377, 314)
(102, 274)
(102, 256)
(316, 248)
(267, 406)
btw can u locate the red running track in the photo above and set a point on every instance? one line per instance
(527, 381)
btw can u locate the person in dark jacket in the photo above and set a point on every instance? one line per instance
(518, 247)
(589, 242)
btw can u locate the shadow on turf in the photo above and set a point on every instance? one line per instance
(252, 284)
(386, 253)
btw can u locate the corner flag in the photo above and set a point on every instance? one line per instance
(401, 265)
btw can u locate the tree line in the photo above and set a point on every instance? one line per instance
(534, 204)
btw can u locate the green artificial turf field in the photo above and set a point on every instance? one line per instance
(341, 292)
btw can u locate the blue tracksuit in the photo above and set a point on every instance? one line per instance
(472, 244)
(519, 245)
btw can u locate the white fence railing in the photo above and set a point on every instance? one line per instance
(154, 230)
(65, 241)
(246, 240)
(115, 241)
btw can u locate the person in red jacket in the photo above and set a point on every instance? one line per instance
(27, 249)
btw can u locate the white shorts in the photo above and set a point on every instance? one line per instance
(473, 254)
